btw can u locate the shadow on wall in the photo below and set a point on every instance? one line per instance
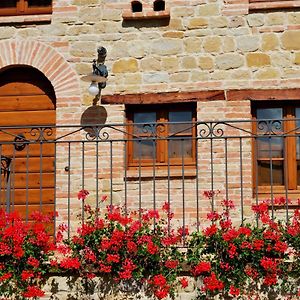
(93, 115)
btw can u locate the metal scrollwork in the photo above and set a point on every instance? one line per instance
(20, 142)
(269, 127)
(96, 133)
(154, 129)
(210, 130)
(41, 133)
(5, 165)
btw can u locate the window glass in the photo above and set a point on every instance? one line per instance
(297, 113)
(143, 149)
(180, 116)
(8, 3)
(272, 123)
(266, 168)
(179, 148)
(147, 120)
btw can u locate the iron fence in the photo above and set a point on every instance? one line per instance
(191, 166)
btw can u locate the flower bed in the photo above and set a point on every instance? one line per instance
(140, 247)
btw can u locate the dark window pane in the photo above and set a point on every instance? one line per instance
(179, 148)
(39, 3)
(298, 172)
(143, 149)
(147, 119)
(297, 115)
(270, 147)
(8, 3)
(274, 125)
(269, 113)
(298, 147)
(264, 173)
(180, 116)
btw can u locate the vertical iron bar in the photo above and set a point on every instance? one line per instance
(197, 181)
(13, 180)
(183, 190)
(82, 177)
(69, 189)
(97, 179)
(41, 175)
(286, 180)
(256, 139)
(153, 172)
(140, 180)
(125, 175)
(271, 174)
(241, 182)
(27, 183)
(226, 168)
(169, 185)
(55, 179)
(111, 173)
(212, 174)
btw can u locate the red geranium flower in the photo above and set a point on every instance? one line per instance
(171, 264)
(82, 195)
(233, 291)
(33, 291)
(184, 282)
(202, 267)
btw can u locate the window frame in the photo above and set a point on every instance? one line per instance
(289, 146)
(22, 8)
(162, 160)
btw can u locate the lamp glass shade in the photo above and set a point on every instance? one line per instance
(93, 89)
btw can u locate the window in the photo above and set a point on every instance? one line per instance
(277, 147)
(25, 7)
(161, 135)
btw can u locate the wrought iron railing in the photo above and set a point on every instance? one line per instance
(142, 166)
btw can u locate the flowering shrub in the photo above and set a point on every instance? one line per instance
(137, 246)
(24, 255)
(236, 261)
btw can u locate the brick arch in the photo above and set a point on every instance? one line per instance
(50, 62)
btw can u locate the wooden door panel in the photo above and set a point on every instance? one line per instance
(23, 209)
(21, 89)
(34, 180)
(32, 150)
(21, 196)
(34, 164)
(23, 118)
(30, 102)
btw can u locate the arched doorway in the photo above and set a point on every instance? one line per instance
(27, 107)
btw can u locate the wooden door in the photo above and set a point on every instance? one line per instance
(27, 99)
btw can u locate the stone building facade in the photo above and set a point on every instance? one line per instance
(226, 57)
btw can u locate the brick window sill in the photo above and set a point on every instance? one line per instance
(273, 5)
(145, 15)
(25, 19)
(147, 173)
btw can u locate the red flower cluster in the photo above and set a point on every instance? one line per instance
(32, 292)
(211, 283)
(24, 253)
(202, 267)
(126, 246)
(228, 258)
